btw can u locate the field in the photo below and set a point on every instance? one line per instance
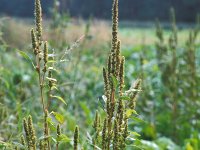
(168, 103)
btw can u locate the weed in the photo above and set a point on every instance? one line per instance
(115, 126)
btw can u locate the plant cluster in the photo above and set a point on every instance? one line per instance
(170, 71)
(179, 78)
(113, 132)
(169, 102)
(44, 67)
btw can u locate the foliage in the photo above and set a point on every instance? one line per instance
(168, 105)
(114, 133)
(119, 105)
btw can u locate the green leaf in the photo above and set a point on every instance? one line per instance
(20, 116)
(5, 82)
(134, 133)
(129, 112)
(149, 145)
(85, 108)
(189, 147)
(51, 61)
(3, 144)
(125, 98)
(54, 87)
(114, 81)
(63, 138)
(87, 112)
(53, 139)
(52, 124)
(24, 55)
(138, 119)
(51, 79)
(166, 143)
(59, 98)
(102, 101)
(136, 147)
(58, 117)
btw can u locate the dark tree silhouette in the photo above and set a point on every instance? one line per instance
(186, 10)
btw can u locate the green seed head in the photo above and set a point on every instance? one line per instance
(104, 134)
(23, 140)
(58, 130)
(31, 129)
(136, 87)
(34, 42)
(25, 124)
(106, 82)
(96, 121)
(50, 76)
(45, 52)
(114, 25)
(121, 76)
(159, 31)
(76, 138)
(109, 65)
(120, 113)
(116, 136)
(38, 20)
(118, 58)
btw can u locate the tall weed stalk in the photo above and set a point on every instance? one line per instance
(113, 131)
(44, 66)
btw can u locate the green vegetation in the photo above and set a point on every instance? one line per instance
(58, 81)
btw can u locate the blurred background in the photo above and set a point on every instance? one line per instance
(159, 40)
(130, 10)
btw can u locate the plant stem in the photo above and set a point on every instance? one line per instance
(40, 82)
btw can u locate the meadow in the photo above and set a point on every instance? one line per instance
(166, 60)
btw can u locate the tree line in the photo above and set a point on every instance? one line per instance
(141, 10)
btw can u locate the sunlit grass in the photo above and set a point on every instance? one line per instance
(99, 33)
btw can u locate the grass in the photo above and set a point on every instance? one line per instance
(99, 31)
(80, 82)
